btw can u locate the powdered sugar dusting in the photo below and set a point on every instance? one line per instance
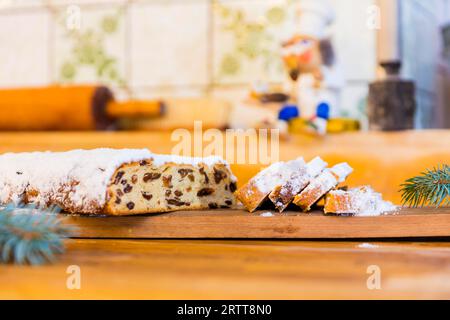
(160, 159)
(324, 182)
(327, 179)
(296, 183)
(77, 178)
(342, 170)
(364, 201)
(299, 179)
(315, 166)
(277, 174)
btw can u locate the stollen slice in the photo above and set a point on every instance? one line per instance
(283, 195)
(360, 201)
(319, 186)
(258, 188)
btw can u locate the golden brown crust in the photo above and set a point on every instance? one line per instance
(282, 195)
(250, 196)
(315, 191)
(307, 198)
(61, 198)
(279, 200)
(337, 203)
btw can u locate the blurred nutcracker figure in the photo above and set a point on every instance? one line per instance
(310, 61)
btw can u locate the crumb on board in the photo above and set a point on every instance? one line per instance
(367, 245)
(266, 214)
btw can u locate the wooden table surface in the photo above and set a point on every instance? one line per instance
(225, 269)
(240, 224)
(207, 269)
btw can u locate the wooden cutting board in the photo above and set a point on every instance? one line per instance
(220, 224)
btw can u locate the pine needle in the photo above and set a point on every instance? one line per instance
(431, 187)
(29, 235)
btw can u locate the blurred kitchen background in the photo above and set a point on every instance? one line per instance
(226, 56)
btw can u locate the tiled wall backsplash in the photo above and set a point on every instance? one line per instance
(154, 48)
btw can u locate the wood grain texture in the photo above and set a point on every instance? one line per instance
(217, 224)
(248, 269)
(211, 269)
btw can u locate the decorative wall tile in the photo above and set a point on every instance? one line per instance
(166, 92)
(20, 4)
(247, 39)
(58, 3)
(94, 53)
(169, 43)
(24, 53)
(163, 48)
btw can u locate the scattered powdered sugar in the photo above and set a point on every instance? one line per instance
(277, 174)
(364, 201)
(366, 245)
(78, 178)
(267, 214)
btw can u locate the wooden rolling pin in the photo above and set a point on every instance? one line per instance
(69, 108)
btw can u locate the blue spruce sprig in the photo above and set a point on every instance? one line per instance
(431, 187)
(30, 235)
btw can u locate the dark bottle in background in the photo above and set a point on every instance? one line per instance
(391, 101)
